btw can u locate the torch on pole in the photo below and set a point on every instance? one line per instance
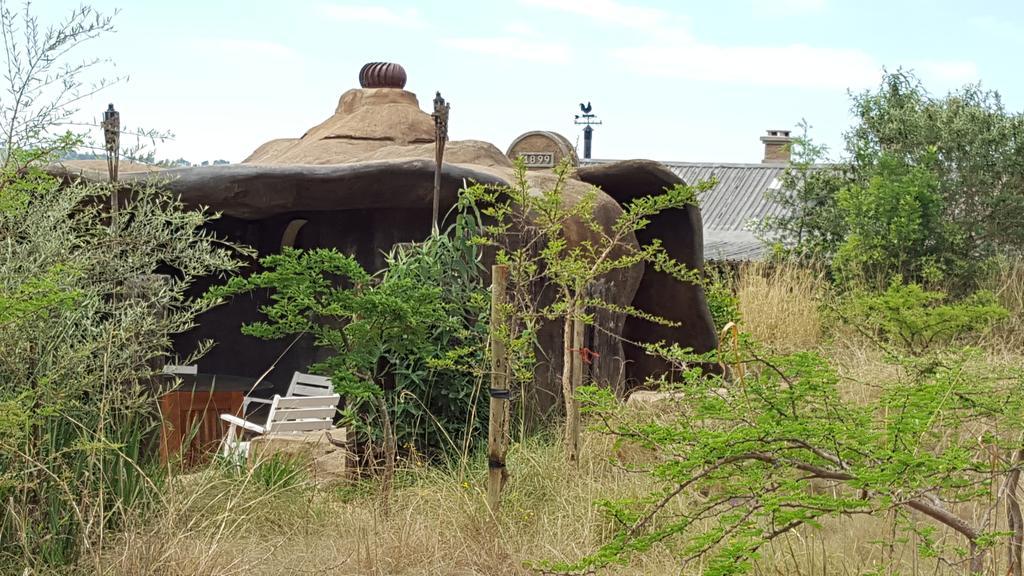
(112, 144)
(441, 109)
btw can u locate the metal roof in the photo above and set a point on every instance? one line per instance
(735, 202)
(739, 196)
(733, 245)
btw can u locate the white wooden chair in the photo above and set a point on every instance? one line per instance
(301, 385)
(288, 415)
(180, 369)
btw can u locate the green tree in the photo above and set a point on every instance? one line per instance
(810, 225)
(86, 314)
(928, 185)
(528, 230)
(405, 346)
(894, 225)
(740, 463)
(88, 305)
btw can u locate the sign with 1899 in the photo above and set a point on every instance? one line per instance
(538, 159)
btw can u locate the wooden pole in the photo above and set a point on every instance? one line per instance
(112, 144)
(572, 412)
(441, 110)
(498, 419)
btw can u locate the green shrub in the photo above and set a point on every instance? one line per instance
(720, 293)
(739, 463)
(915, 320)
(278, 472)
(407, 345)
(83, 322)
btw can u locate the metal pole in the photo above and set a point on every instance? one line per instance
(588, 120)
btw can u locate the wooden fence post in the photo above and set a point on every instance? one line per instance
(572, 416)
(498, 419)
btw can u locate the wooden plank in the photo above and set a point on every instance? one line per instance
(300, 426)
(283, 414)
(303, 390)
(191, 428)
(308, 401)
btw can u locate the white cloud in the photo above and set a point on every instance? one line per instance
(247, 48)
(349, 13)
(608, 11)
(793, 65)
(786, 7)
(951, 72)
(520, 29)
(513, 47)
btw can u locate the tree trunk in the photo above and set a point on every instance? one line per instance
(568, 353)
(389, 456)
(572, 379)
(1015, 523)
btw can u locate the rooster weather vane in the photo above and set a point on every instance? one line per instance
(588, 120)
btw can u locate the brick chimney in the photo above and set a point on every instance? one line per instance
(776, 146)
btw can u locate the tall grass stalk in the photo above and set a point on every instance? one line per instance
(779, 304)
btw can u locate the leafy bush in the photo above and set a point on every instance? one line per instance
(84, 319)
(740, 463)
(406, 345)
(915, 320)
(894, 226)
(929, 185)
(720, 293)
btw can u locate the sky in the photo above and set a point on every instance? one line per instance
(682, 80)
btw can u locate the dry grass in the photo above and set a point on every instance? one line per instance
(439, 525)
(779, 304)
(1006, 281)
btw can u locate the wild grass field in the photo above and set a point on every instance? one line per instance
(276, 521)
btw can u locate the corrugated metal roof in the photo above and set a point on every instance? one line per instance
(739, 196)
(733, 245)
(732, 205)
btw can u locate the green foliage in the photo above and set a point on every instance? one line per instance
(810, 225)
(561, 257)
(441, 406)
(742, 462)
(915, 320)
(84, 318)
(406, 345)
(279, 472)
(720, 293)
(930, 186)
(894, 225)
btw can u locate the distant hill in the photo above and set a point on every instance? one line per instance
(179, 163)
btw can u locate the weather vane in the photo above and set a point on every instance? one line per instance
(588, 120)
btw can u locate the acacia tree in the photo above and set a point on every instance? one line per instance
(741, 463)
(404, 346)
(528, 230)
